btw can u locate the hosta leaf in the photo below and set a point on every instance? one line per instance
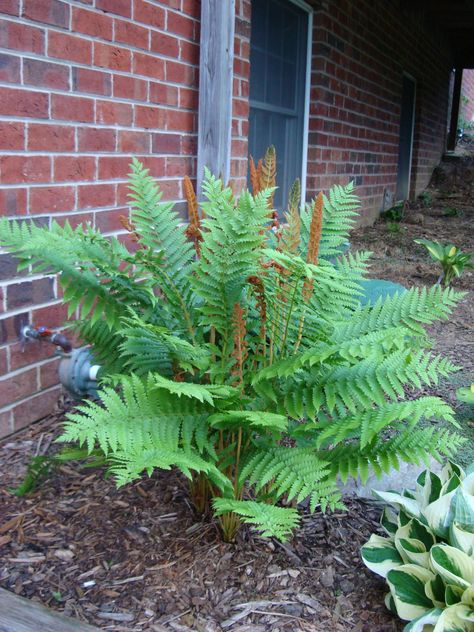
(457, 618)
(461, 538)
(409, 505)
(454, 566)
(464, 503)
(427, 619)
(439, 514)
(407, 585)
(380, 555)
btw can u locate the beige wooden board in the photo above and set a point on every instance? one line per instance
(18, 614)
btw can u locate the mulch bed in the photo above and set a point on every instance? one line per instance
(139, 558)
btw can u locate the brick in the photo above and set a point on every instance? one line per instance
(96, 139)
(130, 33)
(149, 13)
(30, 293)
(164, 44)
(3, 361)
(96, 195)
(188, 99)
(74, 168)
(178, 167)
(189, 52)
(130, 88)
(51, 199)
(191, 8)
(72, 108)
(113, 113)
(12, 202)
(114, 167)
(48, 11)
(48, 373)
(179, 73)
(92, 23)
(11, 7)
(180, 24)
(123, 192)
(113, 57)
(52, 316)
(10, 68)
(134, 142)
(171, 189)
(18, 386)
(148, 65)
(16, 168)
(163, 94)
(11, 327)
(35, 408)
(45, 74)
(70, 47)
(8, 268)
(109, 221)
(24, 103)
(74, 219)
(119, 7)
(6, 423)
(150, 117)
(182, 121)
(12, 135)
(166, 143)
(21, 37)
(155, 165)
(91, 81)
(50, 137)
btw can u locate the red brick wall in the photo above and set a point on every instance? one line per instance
(467, 90)
(360, 51)
(84, 85)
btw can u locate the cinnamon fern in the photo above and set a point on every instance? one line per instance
(241, 355)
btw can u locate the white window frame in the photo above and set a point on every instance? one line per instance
(304, 163)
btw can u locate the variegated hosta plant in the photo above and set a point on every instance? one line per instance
(428, 556)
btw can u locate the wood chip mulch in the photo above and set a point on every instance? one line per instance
(139, 559)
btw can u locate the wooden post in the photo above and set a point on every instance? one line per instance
(18, 614)
(216, 70)
(453, 123)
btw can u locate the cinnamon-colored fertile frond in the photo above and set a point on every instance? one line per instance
(292, 232)
(259, 291)
(315, 230)
(240, 351)
(267, 173)
(129, 227)
(254, 180)
(193, 230)
(314, 240)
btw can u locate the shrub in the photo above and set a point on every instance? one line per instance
(238, 352)
(428, 556)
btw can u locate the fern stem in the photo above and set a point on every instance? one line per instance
(287, 324)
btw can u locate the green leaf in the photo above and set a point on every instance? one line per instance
(428, 619)
(454, 566)
(407, 585)
(380, 555)
(278, 522)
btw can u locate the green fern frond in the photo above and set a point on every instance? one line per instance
(295, 472)
(270, 521)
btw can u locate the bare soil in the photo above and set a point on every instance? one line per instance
(139, 559)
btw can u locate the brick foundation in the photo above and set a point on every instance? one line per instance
(87, 84)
